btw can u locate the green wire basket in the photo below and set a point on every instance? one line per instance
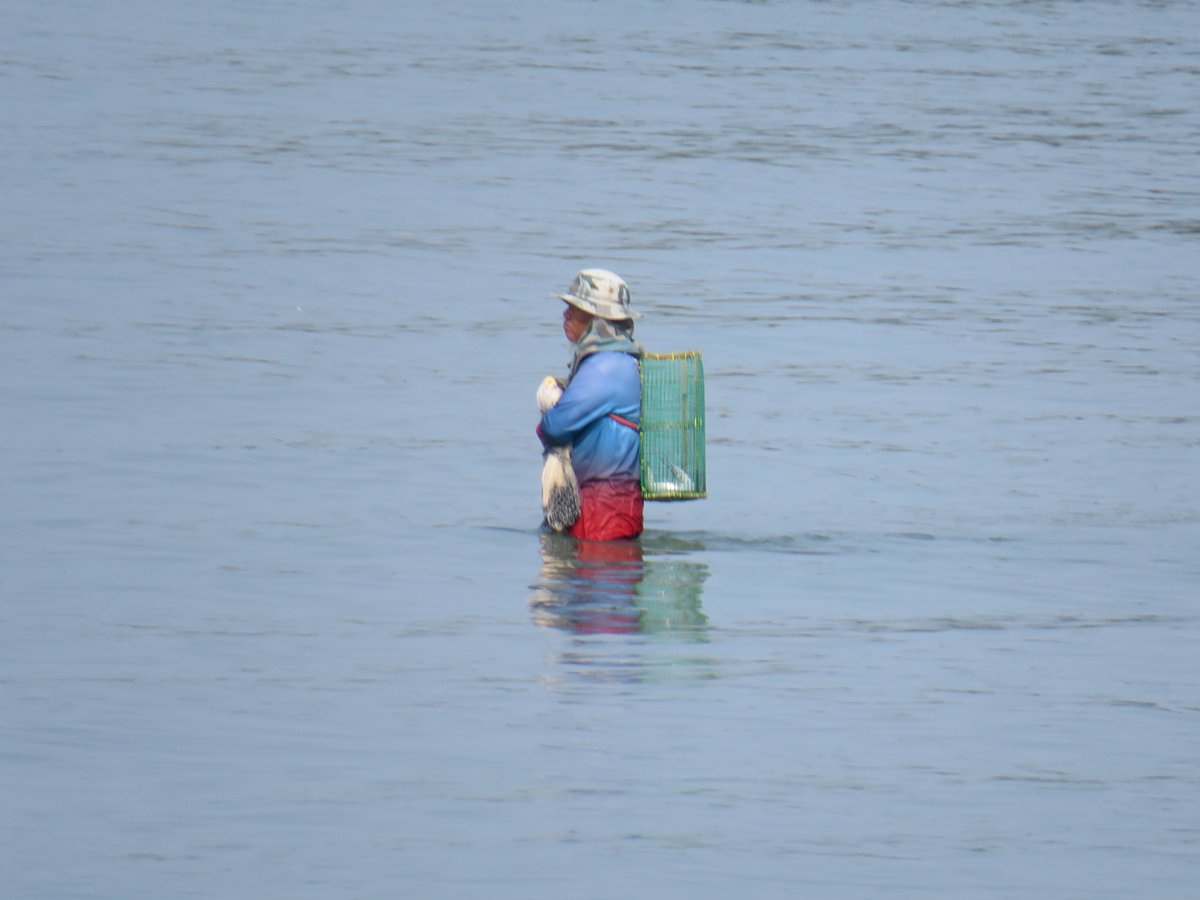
(672, 428)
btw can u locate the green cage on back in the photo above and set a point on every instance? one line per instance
(672, 427)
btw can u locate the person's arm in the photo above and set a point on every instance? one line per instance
(585, 400)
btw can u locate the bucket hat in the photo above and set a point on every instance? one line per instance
(601, 293)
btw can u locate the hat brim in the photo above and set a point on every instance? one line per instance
(579, 304)
(575, 302)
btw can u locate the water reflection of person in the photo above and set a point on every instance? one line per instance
(609, 587)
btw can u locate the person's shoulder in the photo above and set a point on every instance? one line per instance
(611, 361)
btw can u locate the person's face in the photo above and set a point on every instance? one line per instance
(575, 322)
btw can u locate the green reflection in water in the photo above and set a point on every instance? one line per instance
(618, 587)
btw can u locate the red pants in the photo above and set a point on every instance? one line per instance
(608, 511)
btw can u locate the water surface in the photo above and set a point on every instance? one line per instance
(276, 290)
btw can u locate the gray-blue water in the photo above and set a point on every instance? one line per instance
(277, 285)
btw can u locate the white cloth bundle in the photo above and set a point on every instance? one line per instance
(560, 489)
(548, 393)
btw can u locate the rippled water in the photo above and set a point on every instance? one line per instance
(277, 288)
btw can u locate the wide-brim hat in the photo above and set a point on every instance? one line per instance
(600, 293)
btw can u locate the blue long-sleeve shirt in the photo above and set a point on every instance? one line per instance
(605, 382)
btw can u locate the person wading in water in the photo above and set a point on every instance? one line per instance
(601, 407)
